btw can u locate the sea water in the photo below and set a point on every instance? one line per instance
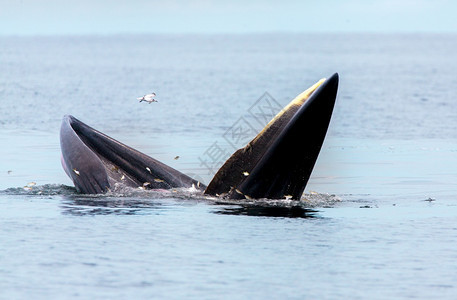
(378, 217)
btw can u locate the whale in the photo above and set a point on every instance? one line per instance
(276, 164)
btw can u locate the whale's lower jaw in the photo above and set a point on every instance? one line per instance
(276, 164)
(95, 162)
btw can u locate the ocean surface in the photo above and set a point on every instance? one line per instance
(378, 219)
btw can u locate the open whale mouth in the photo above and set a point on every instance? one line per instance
(276, 164)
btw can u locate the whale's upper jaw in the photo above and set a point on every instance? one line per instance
(278, 162)
(95, 162)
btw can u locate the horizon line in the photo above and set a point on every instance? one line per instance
(232, 33)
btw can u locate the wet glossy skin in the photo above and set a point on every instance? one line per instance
(95, 162)
(274, 165)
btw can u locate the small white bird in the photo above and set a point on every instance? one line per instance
(148, 98)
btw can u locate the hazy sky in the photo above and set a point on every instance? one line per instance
(25, 17)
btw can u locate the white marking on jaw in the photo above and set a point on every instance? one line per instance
(146, 184)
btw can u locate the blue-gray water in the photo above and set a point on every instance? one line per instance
(379, 216)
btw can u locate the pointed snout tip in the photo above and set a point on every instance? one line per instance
(333, 81)
(335, 77)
